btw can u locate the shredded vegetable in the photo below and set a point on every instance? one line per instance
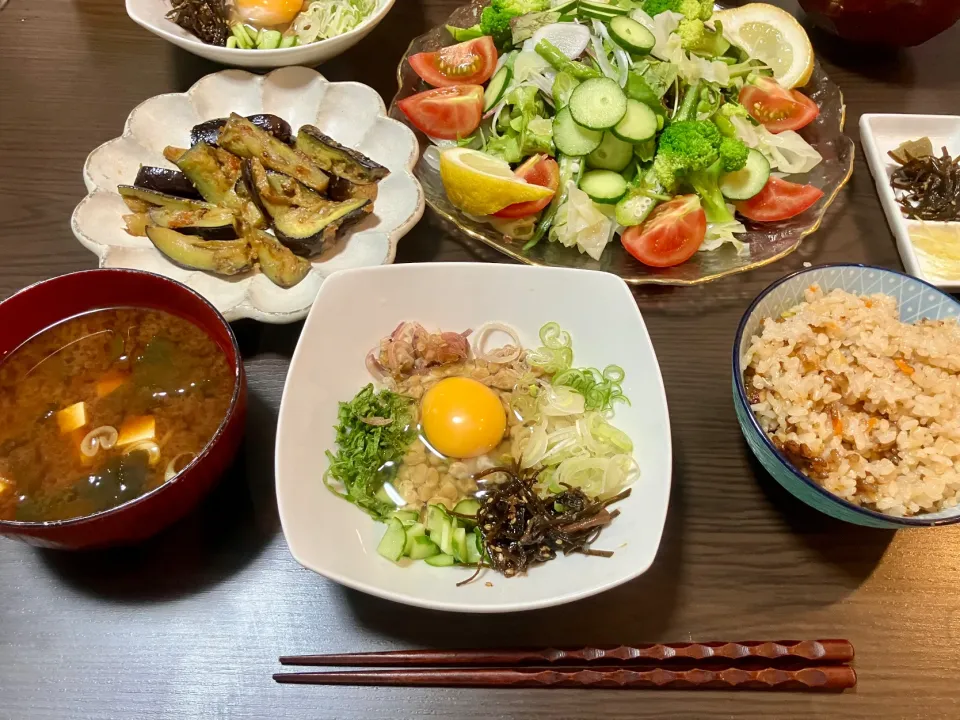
(327, 18)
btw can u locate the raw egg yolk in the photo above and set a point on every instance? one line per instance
(462, 418)
(268, 13)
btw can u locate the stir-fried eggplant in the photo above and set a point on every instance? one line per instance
(341, 190)
(216, 224)
(303, 227)
(209, 131)
(243, 138)
(226, 257)
(140, 200)
(173, 153)
(251, 172)
(171, 182)
(338, 160)
(201, 164)
(306, 230)
(281, 266)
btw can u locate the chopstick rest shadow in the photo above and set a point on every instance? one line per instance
(808, 665)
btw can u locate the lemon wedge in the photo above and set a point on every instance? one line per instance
(481, 184)
(772, 36)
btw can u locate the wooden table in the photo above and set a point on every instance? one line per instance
(190, 624)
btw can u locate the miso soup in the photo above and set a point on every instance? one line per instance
(104, 407)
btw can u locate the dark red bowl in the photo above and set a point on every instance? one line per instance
(39, 306)
(887, 22)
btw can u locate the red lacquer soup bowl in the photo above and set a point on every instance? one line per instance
(39, 306)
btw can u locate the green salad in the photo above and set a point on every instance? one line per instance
(577, 121)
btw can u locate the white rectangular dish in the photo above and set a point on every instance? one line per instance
(881, 133)
(353, 310)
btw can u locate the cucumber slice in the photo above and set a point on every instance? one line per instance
(612, 154)
(446, 537)
(600, 10)
(422, 547)
(572, 139)
(460, 544)
(440, 560)
(468, 506)
(631, 35)
(565, 7)
(496, 87)
(603, 186)
(474, 548)
(393, 541)
(633, 209)
(639, 123)
(414, 531)
(436, 518)
(407, 517)
(598, 104)
(744, 184)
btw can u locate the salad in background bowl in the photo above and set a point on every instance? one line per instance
(656, 139)
(261, 33)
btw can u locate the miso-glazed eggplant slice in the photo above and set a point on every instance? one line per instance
(341, 189)
(243, 138)
(215, 224)
(306, 230)
(226, 257)
(278, 263)
(338, 160)
(140, 200)
(164, 180)
(173, 153)
(209, 131)
(203, 167)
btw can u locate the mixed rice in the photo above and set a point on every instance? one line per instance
(864, 404)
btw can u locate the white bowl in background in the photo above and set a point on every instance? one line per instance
(151, 14)
(351, 113)
(353, 311)
(881, 133)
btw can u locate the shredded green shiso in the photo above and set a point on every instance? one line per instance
(366, 444)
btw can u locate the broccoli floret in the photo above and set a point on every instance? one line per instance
(697, 38)
(495, 19)
(690, 9)
(733, 154)
(693, 152)
(722, 117)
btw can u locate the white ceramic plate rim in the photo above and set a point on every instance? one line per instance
(877, 160)
(245, 307)
(499, 607)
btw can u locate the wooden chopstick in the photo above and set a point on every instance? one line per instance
(830, 678)
(788, 651)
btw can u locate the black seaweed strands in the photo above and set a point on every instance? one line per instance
(928, 187)
(207, 19)
(520, 528)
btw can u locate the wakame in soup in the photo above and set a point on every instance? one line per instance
(104, 407)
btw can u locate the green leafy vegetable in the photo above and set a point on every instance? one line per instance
(373, 434)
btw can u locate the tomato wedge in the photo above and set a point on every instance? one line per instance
(777, 108)
(779, 200)
(468, 63)
(539, 170)
(671, 235)
(447, 113)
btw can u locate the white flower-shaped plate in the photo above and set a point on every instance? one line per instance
(351, 113)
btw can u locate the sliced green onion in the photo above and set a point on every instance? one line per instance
(231, 41)
(288, 41)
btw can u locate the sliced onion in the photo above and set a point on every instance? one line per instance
(561, 401)
(374, 367)
(503, 354)
(570, 38)
(623, 60)
(104, 437)
(147, 446)
(535, 446)
(171, 470)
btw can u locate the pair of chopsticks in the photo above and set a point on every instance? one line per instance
(811, 665)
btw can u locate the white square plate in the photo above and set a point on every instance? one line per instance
(353, 310)
(882, 133)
